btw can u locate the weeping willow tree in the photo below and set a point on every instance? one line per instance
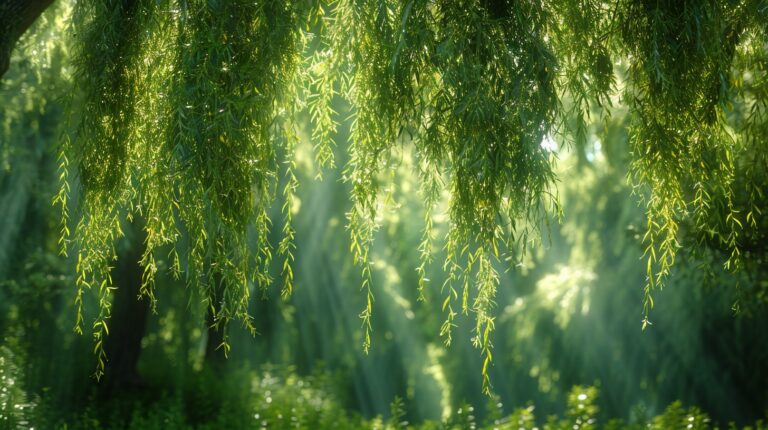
(187, 114)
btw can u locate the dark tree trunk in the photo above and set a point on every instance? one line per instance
(16, 16)
(129, 317)
(214, 352)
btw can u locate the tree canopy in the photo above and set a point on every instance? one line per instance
(187, 113)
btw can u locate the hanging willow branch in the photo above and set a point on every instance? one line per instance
(189, 110)
(177, 126)
(684, 147)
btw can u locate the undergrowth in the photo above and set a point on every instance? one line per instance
(277, 398)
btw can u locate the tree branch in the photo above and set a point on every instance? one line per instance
(16, 16)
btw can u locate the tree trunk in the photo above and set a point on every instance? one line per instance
(16, 16)
(129, 317)
(214, 353)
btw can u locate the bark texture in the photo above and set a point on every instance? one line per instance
(16, 16)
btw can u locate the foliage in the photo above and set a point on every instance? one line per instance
(197, 163)
(202, 137)
(572, 316)
(687, 70)
(279, 399)
(186, 114)
(30, 116)
(15, 409)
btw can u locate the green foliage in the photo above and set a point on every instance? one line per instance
(197, 163)
(200, 161)
(168, 414)
(684, 80)
(522, 418)
(274, 398)
(189, 118)
(582, 410)
(676, 416)
(15, 410)
(397, 414)
(464, 418)
(187, 113)
(30, 115)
